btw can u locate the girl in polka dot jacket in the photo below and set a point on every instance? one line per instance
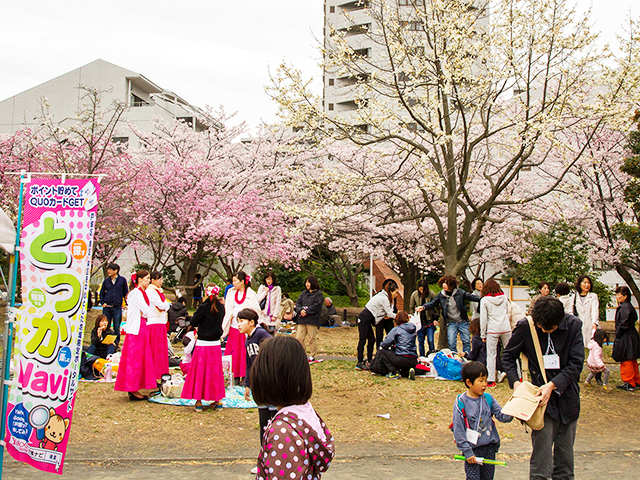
(297, 444)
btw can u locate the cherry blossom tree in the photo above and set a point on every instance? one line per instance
(473, 116)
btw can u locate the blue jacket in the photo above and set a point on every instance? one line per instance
(404, 338)
(459, 296)
(113, 293)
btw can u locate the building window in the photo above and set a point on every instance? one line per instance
(363, 52)
(417, 3)
(187, 120)
(331, 106)
(136, 101)
(413, 26)
(332, 9)
(331, 82)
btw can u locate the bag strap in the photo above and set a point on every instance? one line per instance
(536, 344)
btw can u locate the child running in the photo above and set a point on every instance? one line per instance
(473, 428)
(595, 361)
(205, 380)
(297, 444)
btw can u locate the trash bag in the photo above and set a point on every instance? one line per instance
(447, 367)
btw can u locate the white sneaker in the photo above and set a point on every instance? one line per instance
(501, 376)
(254, 470)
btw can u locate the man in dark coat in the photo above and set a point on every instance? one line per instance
(562, 347)
(114, 289)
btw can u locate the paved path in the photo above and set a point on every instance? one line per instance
(589, 466)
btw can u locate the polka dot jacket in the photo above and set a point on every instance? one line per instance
(292, 450)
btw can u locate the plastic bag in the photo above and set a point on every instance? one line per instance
(448, 368)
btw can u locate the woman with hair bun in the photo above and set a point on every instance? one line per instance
(239, 297)
(205, 380)
(136, 370)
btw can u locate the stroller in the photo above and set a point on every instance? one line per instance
(183, 326)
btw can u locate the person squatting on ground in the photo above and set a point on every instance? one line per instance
(595, 361)
(374, 311)
(178, 310)
(428, 318)
(478, 351)
(248, 325)
(626, 346)
(297, 444)
(157, 323)
(239, 297)
(474, 431)
(205, 379)
(451, 300)
(98, 335)
(113, 291)
(398, 355)
(495, 325)
(560, 336)
(308, 309)
(136, 370)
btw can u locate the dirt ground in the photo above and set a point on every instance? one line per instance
(106, 425)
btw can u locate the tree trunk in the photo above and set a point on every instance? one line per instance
(623, 270)
(409, 274)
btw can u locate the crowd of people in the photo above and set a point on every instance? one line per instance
(492, 330)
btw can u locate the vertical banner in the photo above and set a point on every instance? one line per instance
(55, 264)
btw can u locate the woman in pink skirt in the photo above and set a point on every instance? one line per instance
(136, 369)
(239, 297)
(205, 380)
(157, 323)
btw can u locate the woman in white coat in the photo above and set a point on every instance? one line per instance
(271, 293)
(239, 297)
(495, 323)
(587, 307)
(157, 323)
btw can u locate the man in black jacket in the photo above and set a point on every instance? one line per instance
(114, 289)
(562, 348)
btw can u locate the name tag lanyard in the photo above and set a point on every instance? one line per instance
(551, 358)
(473, 435)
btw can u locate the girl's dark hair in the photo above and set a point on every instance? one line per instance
(156, 275)
(600, 336)
(472, 371)
(313, 281)
(273, 278)
(579, 281)
(248, 314)
(491, 287)
(242, 276)
(473, 283)
(449, 280)
(542, 284)
(401, 317)
(562, 289)
(213, 300)
(280, 374)
(474, 326)
(425, 289)
(99, 319)
(624, 290)
(139, 274)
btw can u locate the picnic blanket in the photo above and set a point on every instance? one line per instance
(234, 398)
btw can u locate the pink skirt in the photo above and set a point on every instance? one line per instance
(238, 351)
(159, 348)
(136, 370)
(205, 380)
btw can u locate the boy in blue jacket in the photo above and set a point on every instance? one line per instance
(473, 428)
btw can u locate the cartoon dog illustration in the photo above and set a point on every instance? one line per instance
(54, 431)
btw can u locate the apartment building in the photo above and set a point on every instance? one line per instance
(143, 100)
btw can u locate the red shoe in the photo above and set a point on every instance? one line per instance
(491, 384)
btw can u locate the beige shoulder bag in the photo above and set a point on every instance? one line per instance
(524, 404)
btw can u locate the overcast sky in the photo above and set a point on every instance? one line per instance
(209, 52)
